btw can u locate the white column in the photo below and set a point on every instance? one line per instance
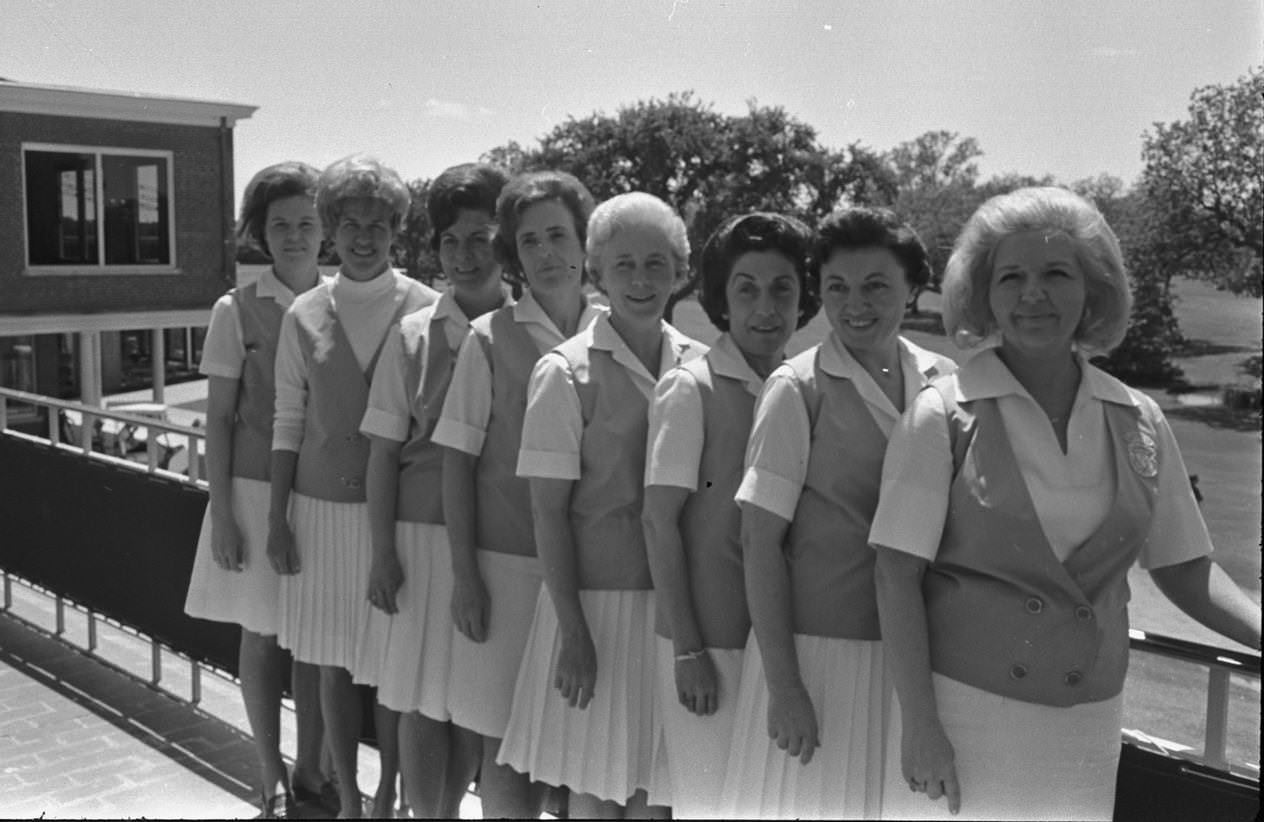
(90, 391)
(158, 363)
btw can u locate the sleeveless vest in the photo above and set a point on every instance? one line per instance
(1004, 614)
(710, 522)
(428, 361)
(831, 564)
(334, 454)
(607, 498)
(504, 522)
(256, 390)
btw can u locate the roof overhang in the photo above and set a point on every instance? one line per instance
(15, 325)
(64, 101)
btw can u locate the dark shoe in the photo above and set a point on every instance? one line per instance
(326, 797)
(280, 806)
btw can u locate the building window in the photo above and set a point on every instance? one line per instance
(97, 208)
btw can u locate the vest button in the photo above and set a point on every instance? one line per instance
(1035, 605)
(1073, 678)
(1017, 671)
(351, 482)
(1083, 613)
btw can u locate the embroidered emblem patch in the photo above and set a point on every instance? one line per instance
(1143, 456)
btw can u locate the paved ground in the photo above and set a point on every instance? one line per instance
(82, 738)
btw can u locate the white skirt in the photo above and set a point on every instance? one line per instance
(324, 606)
(847, 684)
(605, 750)
(1015, 759)
(247, 597)
(407, 655)
(694, 750)
(482, 676)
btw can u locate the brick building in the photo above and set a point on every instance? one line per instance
(116, 213)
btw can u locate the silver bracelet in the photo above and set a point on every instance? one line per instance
(690, 655)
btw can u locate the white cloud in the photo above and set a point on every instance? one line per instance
(452, 110)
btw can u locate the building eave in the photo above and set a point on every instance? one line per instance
(64, 101)
(17, 325)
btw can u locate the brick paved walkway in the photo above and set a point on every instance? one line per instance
(80, 739)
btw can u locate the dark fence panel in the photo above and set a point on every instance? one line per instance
(118, 541)
(1156, 788)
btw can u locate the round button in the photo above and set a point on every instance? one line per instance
(1035, 605)
(1083, 613)
(351, 482)
(1073, 678)
(1018, 671)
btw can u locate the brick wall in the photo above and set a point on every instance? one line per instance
(203, 218)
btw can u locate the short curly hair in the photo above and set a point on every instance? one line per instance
(862, 227)
(360, 176)
(635, 208)
(276, 182)
(524, 191)
(745, 233)
(473, 186)
(1052, 210)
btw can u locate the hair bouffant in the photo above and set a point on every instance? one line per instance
(760, 231)
(276, 182)
(524, 191)
(861, 227)
(1051, 210)
(360, 176)
(635, 208)
(473, 186)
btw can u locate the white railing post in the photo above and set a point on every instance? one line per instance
(151, 449)
(194, 472)
(155, 649)
(195, 684)
(4, 413)
(1216, 741)
(158, 363)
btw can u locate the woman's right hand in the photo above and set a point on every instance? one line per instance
(697, 684)
(792, 722)
(226, 544)
(386, 577)
(576, 673)
(927, 759)
(282, 552)
(470, 605)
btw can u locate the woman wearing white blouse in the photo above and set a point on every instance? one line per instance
(1038, 480)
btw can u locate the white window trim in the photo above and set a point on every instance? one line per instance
(99, 199)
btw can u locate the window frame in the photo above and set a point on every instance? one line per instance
(101, 267)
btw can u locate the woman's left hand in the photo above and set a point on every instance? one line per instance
(697, 684)
(576, 674)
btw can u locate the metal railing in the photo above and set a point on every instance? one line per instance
(90, 443)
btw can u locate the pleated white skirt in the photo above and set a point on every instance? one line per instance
(482, 675)
(605, 750)
(407, 655)
(694, 750)
(848, 687)
(247, 597)
(1015, 759)
(324, 606)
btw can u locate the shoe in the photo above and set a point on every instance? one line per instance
(278, 806)
(326, 796)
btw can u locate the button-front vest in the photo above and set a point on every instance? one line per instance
(1004, 614)
(260, 321)
(428, 362)
(334, 454)
(504, 522)
(607, 498)
(710, 522)
(831, 564)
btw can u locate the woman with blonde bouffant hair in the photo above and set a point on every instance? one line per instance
(1038, 480)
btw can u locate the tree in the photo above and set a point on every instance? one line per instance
(935, 177)
(706, 165)
(1203, 180)
(412, 251)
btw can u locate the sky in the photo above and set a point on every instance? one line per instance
(1065, 88)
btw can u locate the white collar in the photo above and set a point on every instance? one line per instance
(985, 376)
(727, 361)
